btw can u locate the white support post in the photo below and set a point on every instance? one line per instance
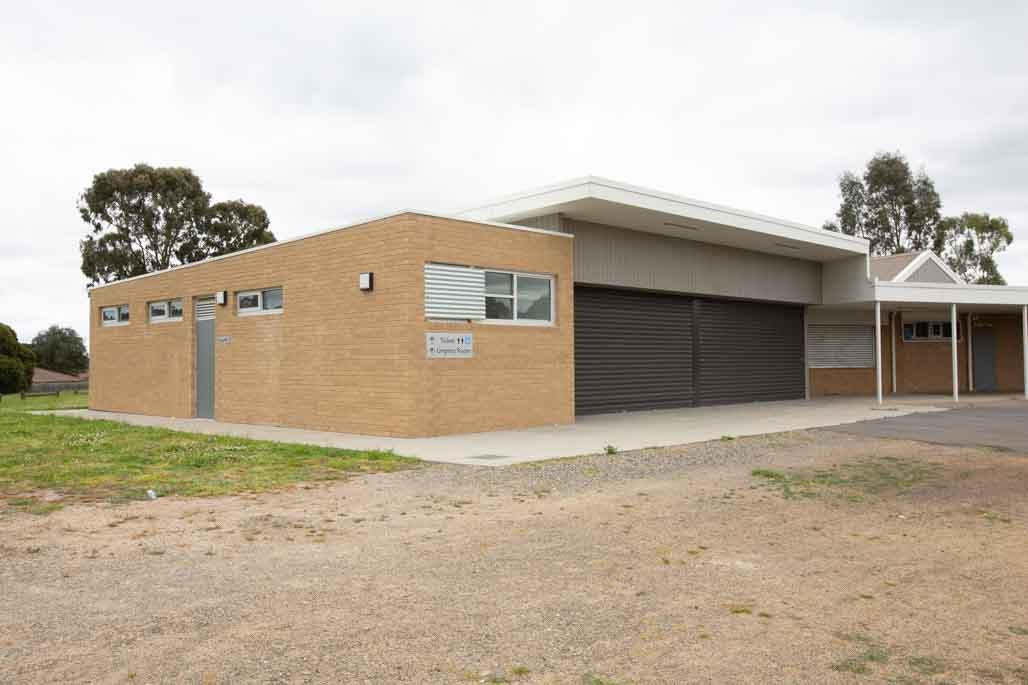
(969, 337)
(878, 351)
(1024, 344)
(892, 347)
(955, 371)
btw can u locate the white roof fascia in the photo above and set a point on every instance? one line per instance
(951, 293)
(911, 268)
(621, 193)
(355, 224)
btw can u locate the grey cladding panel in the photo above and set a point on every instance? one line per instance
(748, 351)
(633, 350)
(929, 272)
(618, 257)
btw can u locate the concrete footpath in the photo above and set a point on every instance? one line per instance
(591, 434)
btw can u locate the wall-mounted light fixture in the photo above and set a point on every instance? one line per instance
(367, 281)
(221, 297)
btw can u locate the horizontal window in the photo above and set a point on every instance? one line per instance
(518, 298)
(165, 310)
(117, 315)
(267, 301)
(938, 331)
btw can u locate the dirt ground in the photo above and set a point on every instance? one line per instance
(805, 557)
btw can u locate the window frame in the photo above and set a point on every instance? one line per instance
(259, 310)
(167, 318)
(931, 337)
(513, 297)
(117, 316)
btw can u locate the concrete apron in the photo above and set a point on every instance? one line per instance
(590, 435)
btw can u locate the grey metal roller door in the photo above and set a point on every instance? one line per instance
(748, 351)
(633, 350)
(636, 350)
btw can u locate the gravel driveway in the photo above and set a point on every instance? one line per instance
(844, 559)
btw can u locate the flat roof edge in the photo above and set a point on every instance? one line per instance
(326, 231)
(585, 186)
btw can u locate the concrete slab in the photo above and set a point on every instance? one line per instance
(999, 424)
(591, 434)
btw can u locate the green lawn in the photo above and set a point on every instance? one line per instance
(66, 400)
(87, 459)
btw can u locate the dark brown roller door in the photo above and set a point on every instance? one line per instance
(748, 351)
(633, 350)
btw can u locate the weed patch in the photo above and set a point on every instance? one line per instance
(874, 477)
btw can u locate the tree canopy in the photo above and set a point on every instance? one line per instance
(147, 218)
(899, 211)
(17, 362)
(60, 349)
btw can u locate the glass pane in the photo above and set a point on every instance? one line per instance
(123, 313)
(533, 298)
(921, 329)
(947, 330)
(273, 298)
(175, 309)
(499, 283)
(499, 308)
(109, 314)
(158, 310)
(908, 331)
(936, 330)
(249, 301)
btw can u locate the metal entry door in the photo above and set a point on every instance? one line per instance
(204, 315)
(984, 346)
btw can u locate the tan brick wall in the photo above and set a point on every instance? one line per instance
(520, 375)
(924, 366)
(337, 358)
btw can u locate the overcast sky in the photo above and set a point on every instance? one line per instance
(328, 112)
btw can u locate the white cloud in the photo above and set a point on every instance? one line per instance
(324, 113)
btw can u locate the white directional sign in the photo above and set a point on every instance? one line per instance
(448, 345)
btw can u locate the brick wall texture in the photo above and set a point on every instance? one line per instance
(337, 358)
(924, 366)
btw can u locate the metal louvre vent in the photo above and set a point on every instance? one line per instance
(840, 346)
(204, 309)
(454, 292)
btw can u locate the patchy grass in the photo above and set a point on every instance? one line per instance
(861, 662)
(590, 679)
(31, 505)
(927, 665)
(66, 400)
(874, 477)
(110, 460)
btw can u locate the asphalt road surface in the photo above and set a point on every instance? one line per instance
(1003, 425)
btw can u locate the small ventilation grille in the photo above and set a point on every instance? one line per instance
(204, 309)
(454, 292)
